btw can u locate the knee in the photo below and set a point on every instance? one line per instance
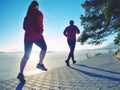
(44, 48)
(26, 57)
(71, 49)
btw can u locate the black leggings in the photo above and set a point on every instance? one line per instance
(28, 46)
(71, 44)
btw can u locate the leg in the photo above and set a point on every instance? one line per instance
(71, 44)
(74, 61)
(43, 52)
(72, 50)
(41, 43)
(28, 47)
(69, 56)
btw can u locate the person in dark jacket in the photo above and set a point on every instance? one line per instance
(70, 32)
(33, 26)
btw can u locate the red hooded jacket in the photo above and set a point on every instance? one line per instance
(33, 25)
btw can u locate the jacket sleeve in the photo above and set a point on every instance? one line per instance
(40, 23)
(65, 32)
(25, 24)
(77, 30)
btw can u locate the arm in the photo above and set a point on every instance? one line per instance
(77, 30)
(65, 32)
(40, 24)
(25, 24)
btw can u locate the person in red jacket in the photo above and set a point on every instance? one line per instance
(33, 26)
(70, 32)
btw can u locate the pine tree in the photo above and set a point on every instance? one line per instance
(101, 19)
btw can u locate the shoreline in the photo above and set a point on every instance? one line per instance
(52, 61)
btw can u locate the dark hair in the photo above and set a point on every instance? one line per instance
(32, 5)
(71, 22)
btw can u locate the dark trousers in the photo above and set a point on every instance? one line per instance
(71, 44)
(28, 46)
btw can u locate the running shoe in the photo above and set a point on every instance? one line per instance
(42, 67)
(67, 63)
(74, 62)
(21, 77)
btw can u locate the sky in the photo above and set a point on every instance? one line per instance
(57, 14)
